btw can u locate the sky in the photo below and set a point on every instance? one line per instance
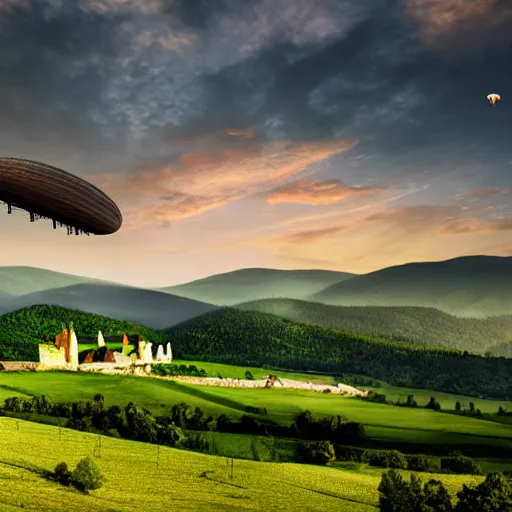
(344, 135)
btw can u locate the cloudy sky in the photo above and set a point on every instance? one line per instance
(336, 134)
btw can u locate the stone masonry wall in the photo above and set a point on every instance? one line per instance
(50, 355)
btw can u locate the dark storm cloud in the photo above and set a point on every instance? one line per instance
(135, 75)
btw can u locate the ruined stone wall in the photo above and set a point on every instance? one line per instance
(50, 355)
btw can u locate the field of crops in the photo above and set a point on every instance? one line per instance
(145, 477)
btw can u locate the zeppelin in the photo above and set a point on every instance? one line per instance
(50, 193)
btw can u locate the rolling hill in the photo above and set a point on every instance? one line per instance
(250, 338)
(149, 307)
(23, 280)
(257, 283)
(425, 326)
(475, 286)
(22, 330)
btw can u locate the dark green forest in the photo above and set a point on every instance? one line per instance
(257, 339)
(424, 326)
(22, 330)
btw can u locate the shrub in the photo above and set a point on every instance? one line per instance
(87, 476)
(423, 463)
(386, 459)
(315, 452)
(460, 465)
(249, 375)
(62, 473)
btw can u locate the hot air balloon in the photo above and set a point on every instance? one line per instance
(47, 192)
(494, 99)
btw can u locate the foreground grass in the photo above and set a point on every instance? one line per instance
(382, 422)
(145, 477)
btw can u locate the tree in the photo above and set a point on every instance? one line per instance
(437, 498)
(471, 407)
(394, 492)
(87, 476)
(494, 494)
(457, 406)
(397, 495)
(316, 452)
(249, 375)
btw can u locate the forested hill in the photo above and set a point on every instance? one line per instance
(22, 330)
(425, 326)
(258, 339)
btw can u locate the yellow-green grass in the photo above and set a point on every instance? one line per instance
(393, 393)
(144, 477)
(446, 400)
(238, 372)
(383, 422)
(94, 346)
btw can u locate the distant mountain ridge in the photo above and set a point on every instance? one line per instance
(476, 286)
(257, 283)
(423, 326)
(19, 280)
(151, 308)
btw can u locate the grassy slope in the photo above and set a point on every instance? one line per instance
(419, 325)
(383, 422)
(467, 286)
(256, 283)
(133, 478)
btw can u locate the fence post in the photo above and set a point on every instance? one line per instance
(99, 447)
(18, 426)
(158, 455)
(232, 461)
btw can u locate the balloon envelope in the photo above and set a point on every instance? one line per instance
(494, 98)
(47, 192)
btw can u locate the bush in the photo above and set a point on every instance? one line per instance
(386, 459)
(316, 452)
(461, 465)
(62, 473)
(249, 375)
(87, 476)
(423, 463)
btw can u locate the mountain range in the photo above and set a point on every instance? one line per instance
(426, 302)
(258, 283)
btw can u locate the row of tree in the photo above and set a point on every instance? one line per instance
(139, 424)
(494, 494)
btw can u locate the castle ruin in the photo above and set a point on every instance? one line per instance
(64, 353)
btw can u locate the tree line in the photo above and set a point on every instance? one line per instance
(250, 338)
(397, 494)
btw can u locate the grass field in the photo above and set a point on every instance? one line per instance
(382, 422)
(145, 477)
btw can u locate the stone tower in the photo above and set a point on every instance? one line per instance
(73, 348)
(101, 340)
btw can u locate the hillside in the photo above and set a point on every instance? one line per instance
(425, 326)
(257, 283)
(470, 286)
(180, 481)
(22, 330)
(258, 339)
(22, 280)
(148, 307)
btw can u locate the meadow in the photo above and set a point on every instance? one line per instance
(151, 478)
(383, 423)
